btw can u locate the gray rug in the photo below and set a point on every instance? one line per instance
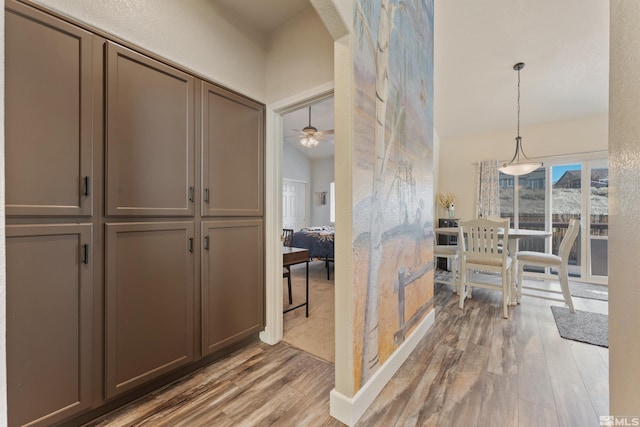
(587, 290)
(583, 326)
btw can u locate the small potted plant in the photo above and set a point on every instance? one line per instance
(447, 200)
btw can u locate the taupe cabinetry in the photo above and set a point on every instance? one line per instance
(149, 306)
(108, 277)
(232, 154)
(48, 322)
(232, 282)
(48, 119)
(150, 136)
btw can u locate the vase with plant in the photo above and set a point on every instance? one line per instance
(447, 200)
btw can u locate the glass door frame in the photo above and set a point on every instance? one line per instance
(601, 280)
(587, 161)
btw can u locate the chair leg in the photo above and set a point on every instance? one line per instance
(506, 286)
(519, 291)
(462, 288)
(564, 285)
(455, 279)
(289, 285)
(326, 261)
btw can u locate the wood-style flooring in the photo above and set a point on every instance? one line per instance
(473, 368)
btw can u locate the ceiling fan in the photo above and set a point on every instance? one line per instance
(310, 136)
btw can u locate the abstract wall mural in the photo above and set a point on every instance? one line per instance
(392, 175)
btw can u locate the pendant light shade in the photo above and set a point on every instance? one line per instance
(519, 164)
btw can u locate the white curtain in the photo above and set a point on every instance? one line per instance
(487, 190)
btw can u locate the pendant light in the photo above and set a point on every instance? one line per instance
(515, 166)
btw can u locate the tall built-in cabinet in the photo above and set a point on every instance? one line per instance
(134, 201)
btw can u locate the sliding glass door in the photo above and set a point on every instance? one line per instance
(598, 222)
(547, 198)
(566, 204)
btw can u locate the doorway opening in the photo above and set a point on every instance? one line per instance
(307, 175)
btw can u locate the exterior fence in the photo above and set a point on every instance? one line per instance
(560, 224)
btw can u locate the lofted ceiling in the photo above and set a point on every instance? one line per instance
(564, 44)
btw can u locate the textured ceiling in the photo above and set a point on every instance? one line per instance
(564, 44)
(265, 15)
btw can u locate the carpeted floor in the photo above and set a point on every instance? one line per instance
(583, 326)
(314, 334)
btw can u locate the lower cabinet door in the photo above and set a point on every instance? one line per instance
(232, 282)
(49, 327)
(149, 301)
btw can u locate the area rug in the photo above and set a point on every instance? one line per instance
(587, 290)
(583, 326)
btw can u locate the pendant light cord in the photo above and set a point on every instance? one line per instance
(518, 102)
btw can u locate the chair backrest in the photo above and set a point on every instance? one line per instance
(287, 236)
(568, 239)
(483, 237)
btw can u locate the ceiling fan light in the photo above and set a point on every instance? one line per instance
(309, 141)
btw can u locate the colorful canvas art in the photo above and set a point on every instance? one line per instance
(393, 176)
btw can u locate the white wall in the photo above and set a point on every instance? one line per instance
(321, 177)
(192, 33)
(299, 56)
(458, 157)
(624, 209)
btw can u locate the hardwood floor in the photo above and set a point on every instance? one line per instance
(473, 368)
(478, 369)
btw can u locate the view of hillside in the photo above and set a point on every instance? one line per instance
(565, 201)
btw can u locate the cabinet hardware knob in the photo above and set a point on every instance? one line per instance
(86, 185)
(191, 244)
(206, 242)
(206, 195)
(85, 254)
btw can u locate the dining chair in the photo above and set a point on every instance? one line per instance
(480, 243)
(450, 252)
(560, 261)
(287, 238)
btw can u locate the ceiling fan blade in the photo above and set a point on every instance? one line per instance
(326, 132)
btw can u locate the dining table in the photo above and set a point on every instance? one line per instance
(514, 236)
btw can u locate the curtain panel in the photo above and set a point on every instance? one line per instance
(487, 189)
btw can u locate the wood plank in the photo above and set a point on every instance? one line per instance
(472, 368)
(573, 405)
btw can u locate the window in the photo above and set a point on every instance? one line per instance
(547, 198)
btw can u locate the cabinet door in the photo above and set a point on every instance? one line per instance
(48, 115)
(232, 282)
(150, 139)
(149, 301)
(232, 154)
(49, 324)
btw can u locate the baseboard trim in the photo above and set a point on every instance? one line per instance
(348, 410)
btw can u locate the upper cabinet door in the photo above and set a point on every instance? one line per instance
(150, 137)
(232, 154)
(48, 115)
